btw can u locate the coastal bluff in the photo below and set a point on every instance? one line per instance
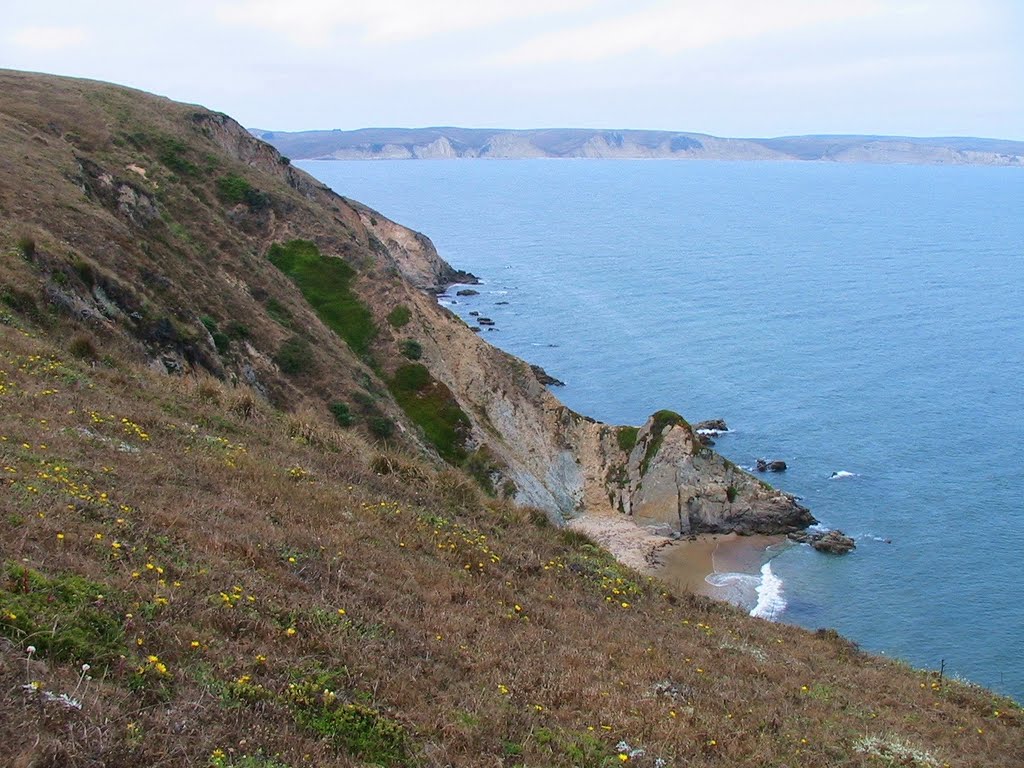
(231, 262)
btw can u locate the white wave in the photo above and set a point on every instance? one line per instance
(732, 579)
(770, 600)
(712, 432)
(841, 474)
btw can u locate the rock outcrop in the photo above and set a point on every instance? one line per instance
(832, 542)
(711, 427)
(546, 378)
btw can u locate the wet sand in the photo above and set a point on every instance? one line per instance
(686, 564)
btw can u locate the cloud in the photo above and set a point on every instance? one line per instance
(318, 22)
(669, 28)
(45, 38)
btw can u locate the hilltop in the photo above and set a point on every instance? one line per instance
(434, 143)
(265, 503)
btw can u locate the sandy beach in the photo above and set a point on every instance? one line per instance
(686, 564)
(683, 564)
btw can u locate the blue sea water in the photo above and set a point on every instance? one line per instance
(863, 319)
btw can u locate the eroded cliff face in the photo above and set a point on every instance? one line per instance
(689, 488)
(567, 464)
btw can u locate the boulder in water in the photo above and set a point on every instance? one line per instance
(831, 542)
(711, 427)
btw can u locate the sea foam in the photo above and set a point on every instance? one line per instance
(770, 600)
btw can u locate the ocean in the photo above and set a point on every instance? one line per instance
(863, 323)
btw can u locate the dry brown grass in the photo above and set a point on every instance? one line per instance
(490, 640)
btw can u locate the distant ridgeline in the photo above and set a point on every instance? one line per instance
(434, 143)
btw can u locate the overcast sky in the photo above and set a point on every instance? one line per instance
(726, 67)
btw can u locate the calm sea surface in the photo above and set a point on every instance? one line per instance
(845, 318)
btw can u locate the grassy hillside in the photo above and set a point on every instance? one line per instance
(199, 567)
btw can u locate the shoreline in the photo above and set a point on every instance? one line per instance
(684, 564)
(689, 563)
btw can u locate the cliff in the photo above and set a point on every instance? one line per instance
(437, 143)
(257, 501)
(172, 211)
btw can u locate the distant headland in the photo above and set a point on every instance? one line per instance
(450, 143)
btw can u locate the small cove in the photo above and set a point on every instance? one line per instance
(844, 318)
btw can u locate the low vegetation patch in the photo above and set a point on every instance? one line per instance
(295, 356)
(411, 349)
(342, 414)
(626, 438)
(64, 617)
(432, 407)
(662, 421)
(399, 317)
(326, 284)
(234, 189)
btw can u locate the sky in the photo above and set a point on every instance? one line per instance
(749, 68)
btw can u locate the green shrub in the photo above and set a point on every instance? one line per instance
(730, 493)
(237, 330)
(27, 246)
(82, 347)
(279, 313)
(412, 349)
(382, 427)
(482, 466)
(294, 356)
(220, 339)
(85, 271)
(325, 282)
(233, 189)
(399, 316)
(20, 301)
(432, 407)
(171, 152)
(342, 414)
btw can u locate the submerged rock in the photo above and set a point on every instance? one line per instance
(467, 292)
(776, 465)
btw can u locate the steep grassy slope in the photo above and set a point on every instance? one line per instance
(250, 585)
